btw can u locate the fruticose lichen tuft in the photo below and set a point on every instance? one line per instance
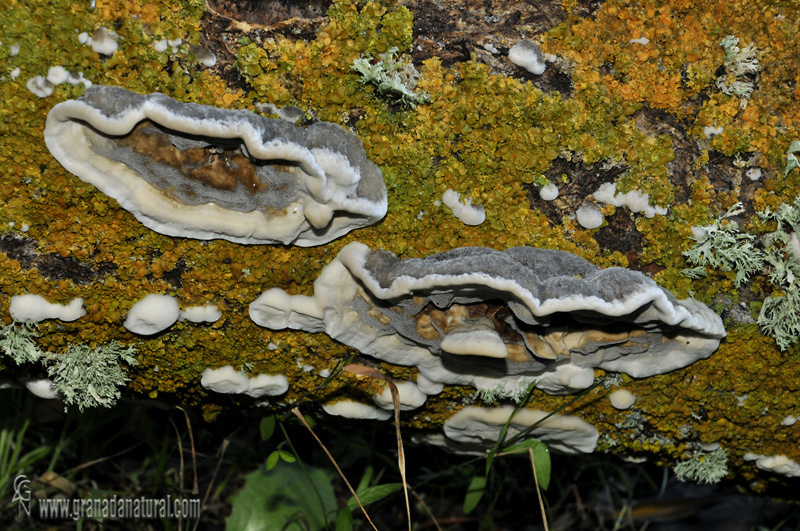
(780, 314)
(18, 342)
(739, 63)
(703, 467)
(87, 377)
(725, 247)
(396, 78)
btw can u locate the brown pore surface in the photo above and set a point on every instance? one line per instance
(433, 323)
(214, 166)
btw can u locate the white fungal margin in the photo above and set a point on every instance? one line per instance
(328, 188)
(635, 200)
(411, 397)
(201, 314)
(466, 212)
(227, 380)
(152, 314)
(355, 410)
(527, 55)
(30, 307)
(622, 399)
(779, 464)
(353, 290)
(479, 428)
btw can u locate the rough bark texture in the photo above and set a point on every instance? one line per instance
(606, 110)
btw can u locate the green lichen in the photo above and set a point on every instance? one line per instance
(780, 317)
(87, 377)
(396, 78)
(18, 342)
(780, 314)
(82, 376)
(500, 392)
(703, 467)
(723, 246)
(739, 64)
(791, 158)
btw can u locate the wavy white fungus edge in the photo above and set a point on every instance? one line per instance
(635, 200)
(39, 86)
(527, 55)
(622, 399)
(328, 183)
(152, 314)
(43, 388)
(427, 386)
(201, 314)
(351, 409)
(780, 464)
(229, 381)
(103, 41)
(155, 313)
(410, 395)
(204, 57)
(468, 214)
(695, 317)
(161, 45)
(36, 308)
(477, 427)
(43, 87)
(327, 311)
(56, 75)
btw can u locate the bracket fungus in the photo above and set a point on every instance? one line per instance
(152, 314)
(497, 320)
(474, 429)
(35, 308)
(351, 409)
(227, 380)
(197, 171)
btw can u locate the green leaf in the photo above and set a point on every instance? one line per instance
(277, 455)
(541, 458)
(344, 520)
(286, 456)
(273, 459)
(373, 494)
(267, 427)
(283, 499)
(475, 491)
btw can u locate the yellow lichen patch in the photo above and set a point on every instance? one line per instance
(489, 137)
(667, 54)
